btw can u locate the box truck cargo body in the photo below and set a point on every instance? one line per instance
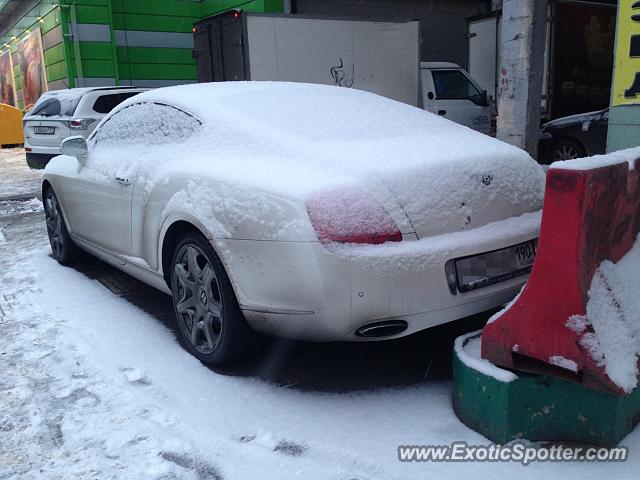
(379, 57)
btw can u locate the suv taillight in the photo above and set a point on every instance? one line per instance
(80, 123)
(351, 215)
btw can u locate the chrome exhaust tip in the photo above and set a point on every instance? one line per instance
(387, 328)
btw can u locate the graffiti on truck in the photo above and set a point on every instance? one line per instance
(341, 75)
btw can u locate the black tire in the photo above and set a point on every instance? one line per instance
(566, 149)
(204, 299)
(37, 161)
(62, 247)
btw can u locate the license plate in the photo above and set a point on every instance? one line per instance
(44, 130)
(478, 271)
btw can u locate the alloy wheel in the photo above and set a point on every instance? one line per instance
(53, 220)
(565, 151)
(197, 298)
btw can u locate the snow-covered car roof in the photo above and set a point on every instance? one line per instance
(297, 137)
(318, 112)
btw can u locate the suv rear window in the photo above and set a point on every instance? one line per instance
(106, 103)
(56, 104)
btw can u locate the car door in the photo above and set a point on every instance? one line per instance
(97, 200)
(450, 93)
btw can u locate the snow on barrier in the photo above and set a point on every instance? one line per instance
(578, 316)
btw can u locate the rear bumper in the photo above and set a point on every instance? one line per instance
(39, 160)
(38, 149)
(305, 291)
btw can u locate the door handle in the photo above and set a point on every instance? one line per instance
(123, 181)
(442, 112)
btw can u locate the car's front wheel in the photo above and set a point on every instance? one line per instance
(566, 149)
(211, 324)
(62, 247)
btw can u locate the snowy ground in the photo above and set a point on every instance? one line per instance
(16, 179)
(93, 385)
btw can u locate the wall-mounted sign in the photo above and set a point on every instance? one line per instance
(626, 83)
(7, 84)
(34, 75)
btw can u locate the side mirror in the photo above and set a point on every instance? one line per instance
(75, 147)
(484, 100)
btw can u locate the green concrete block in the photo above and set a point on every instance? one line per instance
(503, 406)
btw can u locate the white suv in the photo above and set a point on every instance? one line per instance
(62, 113)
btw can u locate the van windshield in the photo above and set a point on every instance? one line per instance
(455, 85)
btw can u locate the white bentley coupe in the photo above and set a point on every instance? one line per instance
(304, 211)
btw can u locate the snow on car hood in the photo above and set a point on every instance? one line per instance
(575, 119)
(295, 140)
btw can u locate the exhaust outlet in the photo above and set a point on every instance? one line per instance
(387, 328)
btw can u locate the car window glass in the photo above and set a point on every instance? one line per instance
(147, 124)
(56, 104)
(454, 85)
(106, 103)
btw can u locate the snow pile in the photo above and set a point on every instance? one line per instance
(629, 155)
(610, 331)
(468, 348)
(560, 361)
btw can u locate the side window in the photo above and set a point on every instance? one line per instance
(453, 85)
(147, 124)
(106, 103)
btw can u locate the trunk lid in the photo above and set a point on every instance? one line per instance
(36, 130)
(465, 194)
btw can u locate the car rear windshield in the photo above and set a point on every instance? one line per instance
(106, 103)
(55, 105)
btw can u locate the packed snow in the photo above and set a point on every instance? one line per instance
(629, 155)
(610, 331)
(113, 396)
(468, 349)
(560, 361)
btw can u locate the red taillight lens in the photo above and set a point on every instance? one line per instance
(351, 215)
(80, 123)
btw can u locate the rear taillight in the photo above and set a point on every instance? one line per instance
(351, 215)
(80, 123)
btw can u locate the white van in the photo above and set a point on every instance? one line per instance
(448, 90)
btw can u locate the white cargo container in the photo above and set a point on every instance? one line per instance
(380, 57)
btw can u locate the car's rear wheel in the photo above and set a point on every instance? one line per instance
(211, 324)
(566, 150)
(63, 248)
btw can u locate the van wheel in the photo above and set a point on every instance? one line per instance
(63, 248)
(212, 327)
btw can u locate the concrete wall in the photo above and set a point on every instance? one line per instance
(443, 22)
